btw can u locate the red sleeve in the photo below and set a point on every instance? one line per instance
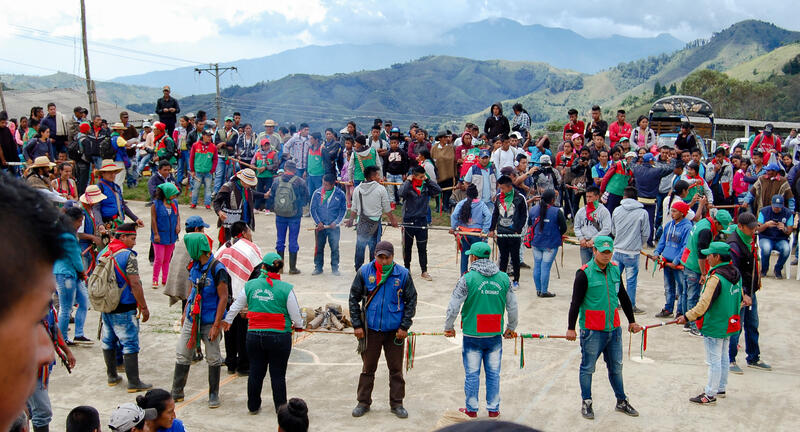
(613, 132)
(191, 157)
(778, 144)
(214, 162)
(611, 170)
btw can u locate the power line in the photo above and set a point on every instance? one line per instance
(28, 65)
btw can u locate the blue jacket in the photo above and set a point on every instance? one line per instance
(551, 227)
(648, 178)
(332, 211)
(674, 240)
(111, 206)
(480, 217)
(210, 298)
(70, 263)
(126, 298)
(387, 310)
(166, 221)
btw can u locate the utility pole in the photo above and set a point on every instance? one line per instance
(216, 72)
(90, 91)
(2, 98)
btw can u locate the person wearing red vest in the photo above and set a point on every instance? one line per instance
(486, 294)
(597, 295)
(273, 312)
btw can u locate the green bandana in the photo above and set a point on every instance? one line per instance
(327, 195)
(196, 245)
(385, 271)
(509, 198)
(748, 240)
(169, 189)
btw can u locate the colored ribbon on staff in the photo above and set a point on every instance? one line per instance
(523, 336)
(643, 345)
(411, 346)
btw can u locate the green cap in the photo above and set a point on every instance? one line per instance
(169, 189)
(270, 258)
(228, 118)
(480, 250)
(603, 243)
(718, 248)
(724, 218)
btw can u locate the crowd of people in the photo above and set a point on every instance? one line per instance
(712, 225)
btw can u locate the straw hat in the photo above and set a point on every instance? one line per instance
(42, 162)
(118, 126)
(93, 195)
(108, 165)
(270, 122)
(247, 176)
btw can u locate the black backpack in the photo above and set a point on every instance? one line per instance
(107, 150)
(75, 150)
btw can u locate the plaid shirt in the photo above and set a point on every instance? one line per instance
(297, 148)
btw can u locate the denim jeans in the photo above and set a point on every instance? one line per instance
(586, 255)
(143, 161)
(203, 179)
(718, 364)
(542, 263)
(767, 246)
(488, 350)
(264, 184)
(282, 224)
(749, 317)
(594, 343)
(122, 326)
(628, 265)
(267, 351)
(465, 244)
(331, 235)
(223, 172)
(183, 166)
(39, 405)
(70, 291)
(363, 242)
(692, 293)
(393, 189)
(674, 289)
(314, 183)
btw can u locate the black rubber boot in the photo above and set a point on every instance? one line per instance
(293, 263)
(41, 428)
(110, 358)
(284, 262)
(132, 371)
(213, 386)
(179, 381)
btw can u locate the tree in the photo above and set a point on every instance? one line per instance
(657, 92)
(673, 89)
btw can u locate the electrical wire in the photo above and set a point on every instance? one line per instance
(28, 65)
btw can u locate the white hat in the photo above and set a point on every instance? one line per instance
(544, 159)
(630, 154)
(516, 135)
(146, 124)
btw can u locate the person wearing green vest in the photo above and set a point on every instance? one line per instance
(266, 162)
(314, 165)
(486, 295)
(694, 261)
(272, 313)
(361, 158)
(597, 295)
(615, 181)
(717, 317)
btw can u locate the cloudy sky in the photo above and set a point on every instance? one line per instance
(134, 37)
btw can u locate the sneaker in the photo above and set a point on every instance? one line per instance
(524, 265)
(735, 369)
(721, 394)
(471, 414)
(702, 399)
(547, 295)
(625, 407)
(664, 314)
(494, 414)
(266, 212)
(778, 274)
(400, 412)
(637, 311)
(193, 206)
(316, 272)
(686, 327)
(208, 207)
(70, 343)
(335, 272)
(759, 365)
(426, 276)
(514, 286)
(83, 340)
(694, 332)
(586, 409)
(155, 285)
(794, 261)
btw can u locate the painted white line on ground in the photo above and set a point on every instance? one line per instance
(546, 388)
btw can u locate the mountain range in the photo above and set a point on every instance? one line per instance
(490, 39)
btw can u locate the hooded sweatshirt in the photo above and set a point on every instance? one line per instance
(495, 126)
(630, 227)
(674, 240)
(487, 268)
(375, 199)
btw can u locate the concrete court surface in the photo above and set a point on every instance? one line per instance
(545, 394)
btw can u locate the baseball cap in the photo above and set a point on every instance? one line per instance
(544, 159)
(166, 87)
(769, 128)
(228, 118)
(724, 218)
(719, 248)
(484, 153)
(384, 248)
(146, 124)
(208, 131)
(624, 139)
(575, 135)
(777, 200)
(773, 167)
(128, 415)
(648, 157)
(603, 243)
(516, 135)
(479, 250)
(195, 222)
(270, 258)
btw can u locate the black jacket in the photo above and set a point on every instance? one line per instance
(517, 219)
(168, 117)
(743, 259)
(8, 145)
(332, 157)
(396, 167)
(496, 126)
(416, 206)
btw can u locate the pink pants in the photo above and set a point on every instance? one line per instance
(163, 256)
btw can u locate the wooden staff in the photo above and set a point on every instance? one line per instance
(243, 163)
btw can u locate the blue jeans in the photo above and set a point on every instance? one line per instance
(718, 364)
(542, 263)
(488, 350)
(70, 290)
(594, 343)
(331, 235)
(767, 246)
(203, 179)
(123, 327)
(659, 211)
(363, 242)
(293, 225)
(183, 166)
(39, 405)
(749, 320)
(466, 243)
(144, 160)
(674, 289)
(314, 183)
(586, 255)
(264, 184)
(692, 294)
(223, 172)
(393, 189)
(629, 265)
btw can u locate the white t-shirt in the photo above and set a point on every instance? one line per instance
(503, 158)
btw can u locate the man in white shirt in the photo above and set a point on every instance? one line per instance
(506, 155)
(381, 146)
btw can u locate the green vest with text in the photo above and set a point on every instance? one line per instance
(722, 317)
(599, 308)
(690, 256)
(482, 313)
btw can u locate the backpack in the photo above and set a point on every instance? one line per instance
(104, 294)
(75, 150)
(285, 199)
(107, 150)
(170, 147)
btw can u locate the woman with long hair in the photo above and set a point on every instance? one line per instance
(642, 136)
(521, 122)
(547, 224)
(39, 146)
(161, 401)
(65, 185)
(165, 222)
(272, 314)
(472, 216)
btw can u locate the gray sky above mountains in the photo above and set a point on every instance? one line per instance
(124, 36)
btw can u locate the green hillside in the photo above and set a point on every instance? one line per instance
(119, 94)
(761, 68)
